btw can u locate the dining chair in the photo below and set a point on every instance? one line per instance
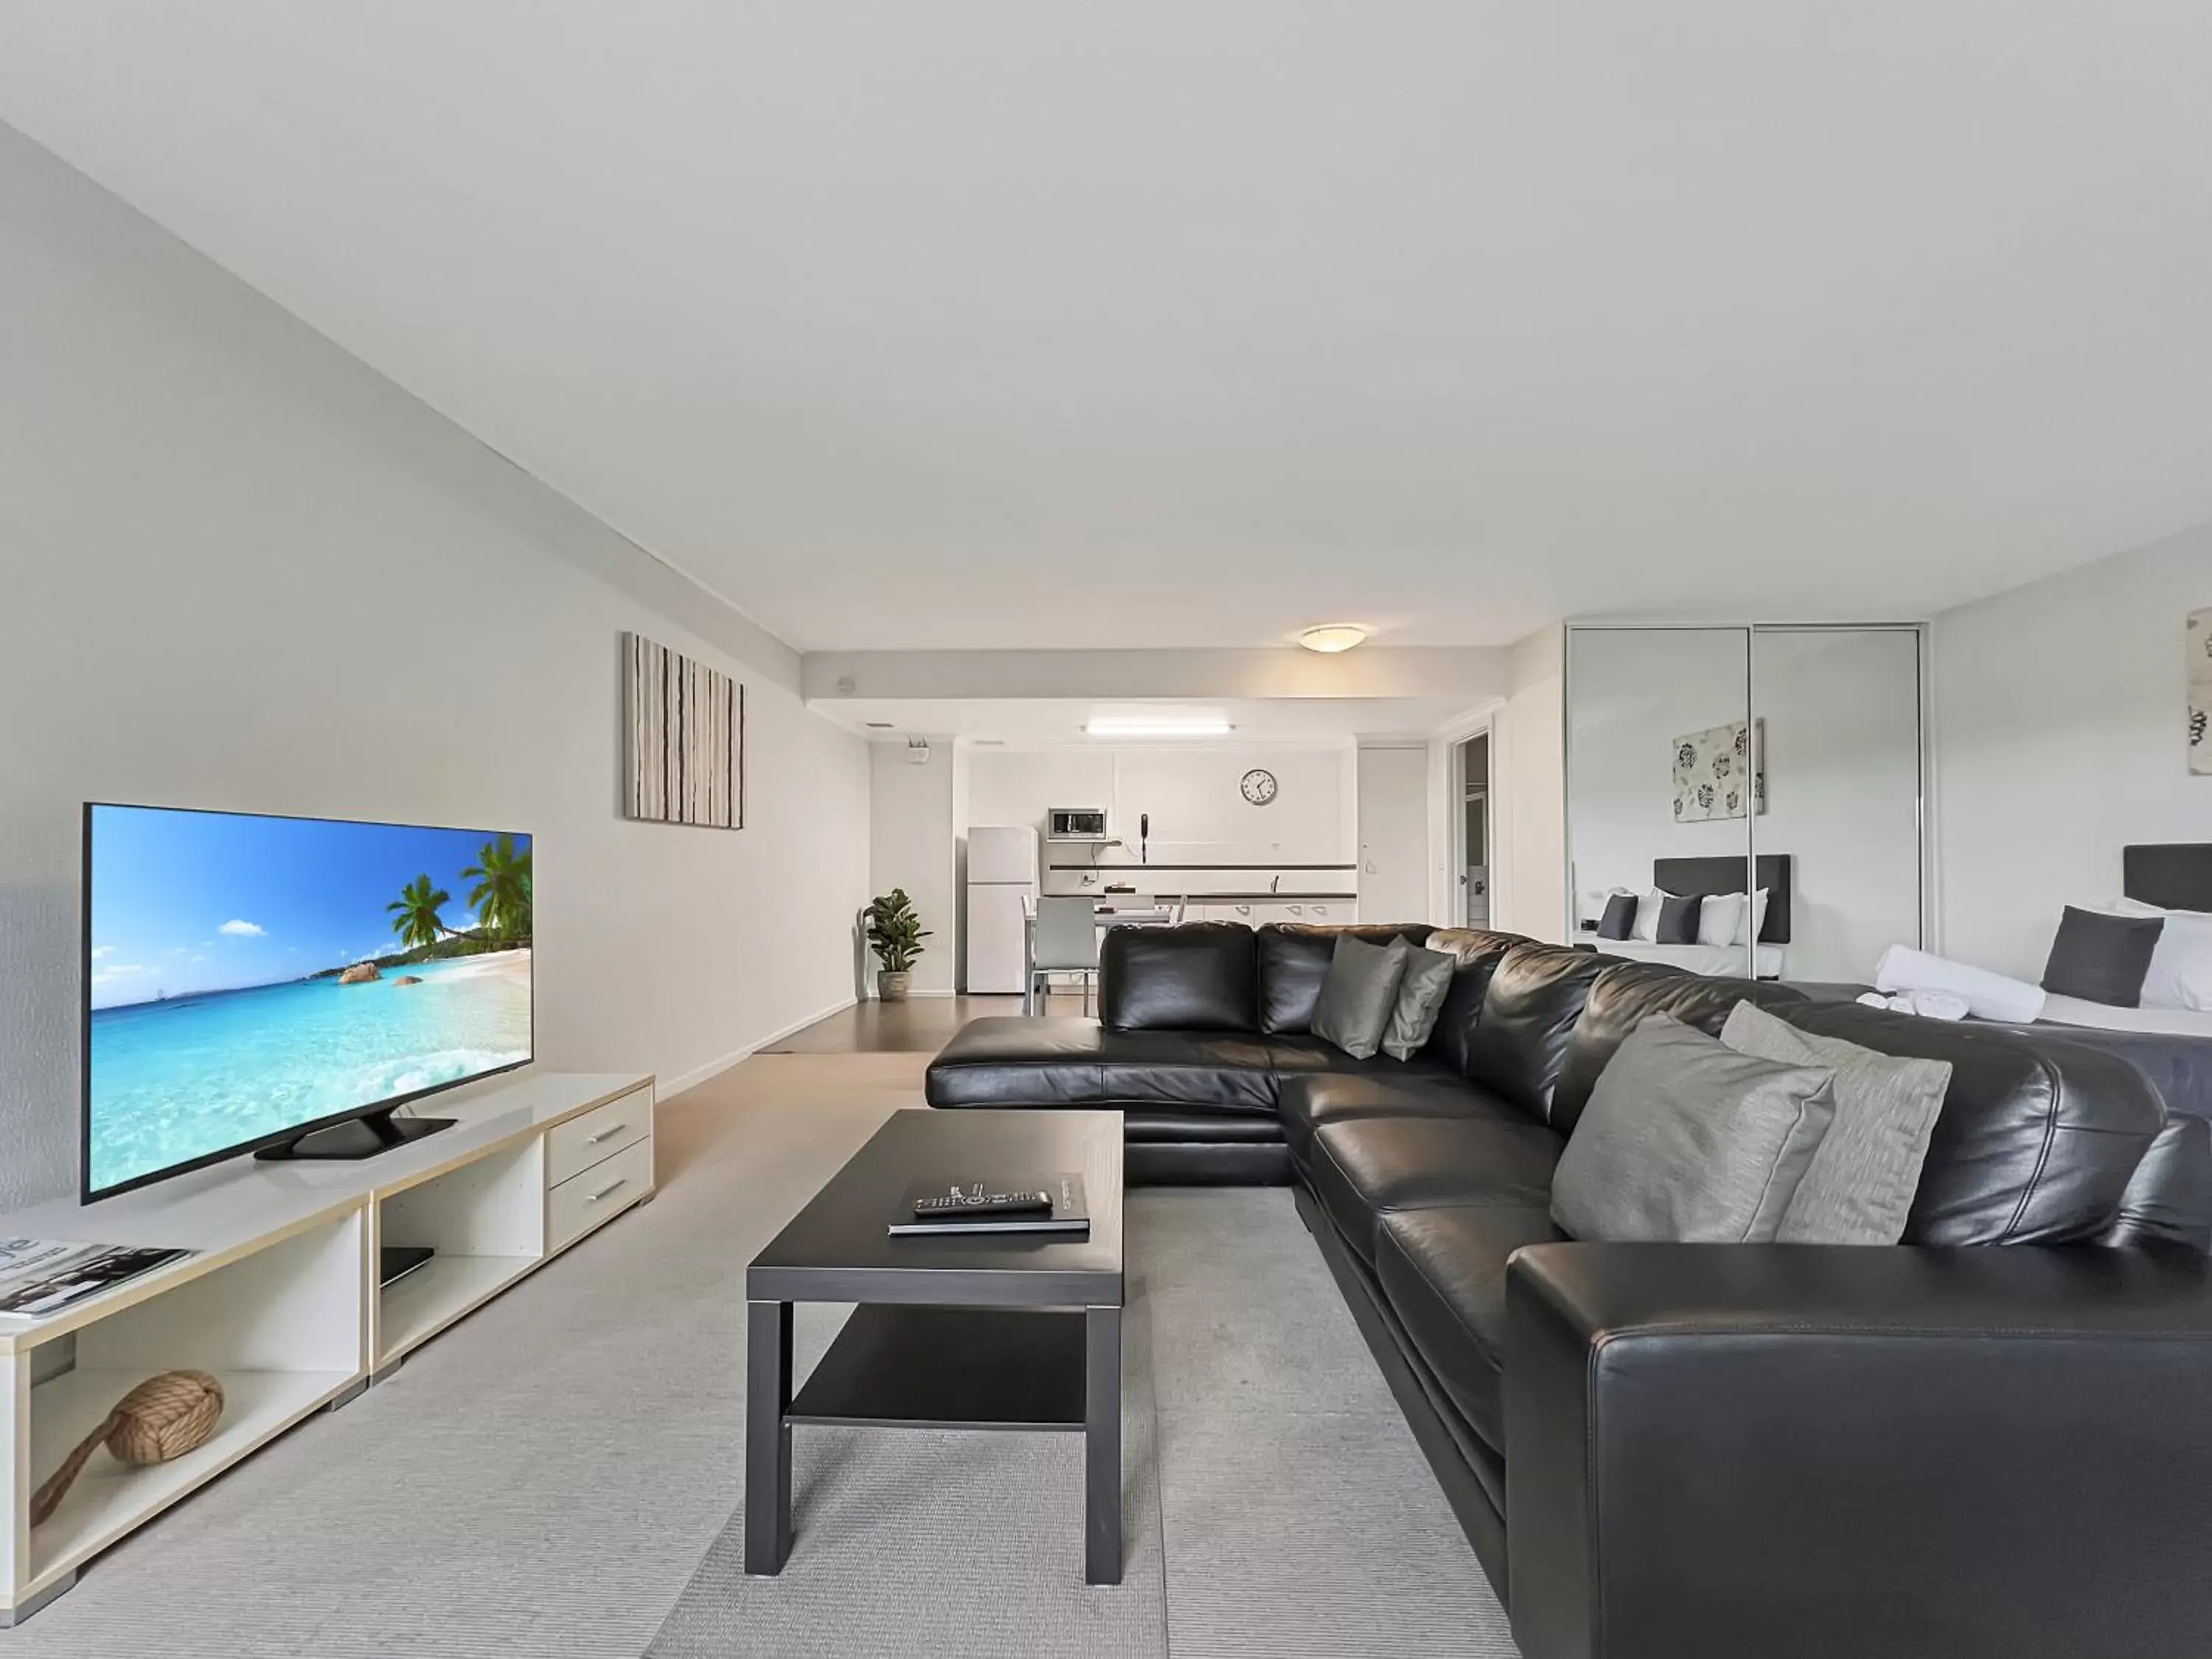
(1065, 940)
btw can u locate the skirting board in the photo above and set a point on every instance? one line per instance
(712, 1068)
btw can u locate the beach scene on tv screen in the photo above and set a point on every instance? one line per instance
(247, 975)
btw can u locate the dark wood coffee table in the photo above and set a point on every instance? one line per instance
(975, 1332)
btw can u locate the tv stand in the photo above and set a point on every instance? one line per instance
(284, 1299)
(362, 1137)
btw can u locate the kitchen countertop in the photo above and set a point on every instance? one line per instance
(1233, 898)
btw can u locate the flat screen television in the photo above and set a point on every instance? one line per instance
(281, 985)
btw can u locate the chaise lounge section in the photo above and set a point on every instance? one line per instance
(1661, 1450)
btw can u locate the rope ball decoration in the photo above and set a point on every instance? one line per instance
(164, 1417)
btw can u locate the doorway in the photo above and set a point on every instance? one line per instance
(1472, 833)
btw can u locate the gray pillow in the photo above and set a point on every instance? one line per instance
(1359, 994)
(1685, 1138)
(1420, 999)
(1859, 1187)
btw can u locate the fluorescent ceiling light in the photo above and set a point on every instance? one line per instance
(1160, 726)
(1332, 636)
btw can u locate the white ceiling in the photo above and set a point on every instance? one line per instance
(984, 323)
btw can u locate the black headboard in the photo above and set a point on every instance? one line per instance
(1725, 875)
(2173, 875)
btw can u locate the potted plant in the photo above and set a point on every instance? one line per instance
(895, 934)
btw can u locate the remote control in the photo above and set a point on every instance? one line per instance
(962, 1203)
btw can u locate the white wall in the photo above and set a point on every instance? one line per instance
(1841, 715)
(912, 844)
(240, 569)
(1528, 765)
(1199, 815)
(2060, 738)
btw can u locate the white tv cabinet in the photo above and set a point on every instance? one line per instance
(280, 1301)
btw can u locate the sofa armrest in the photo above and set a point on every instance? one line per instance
(1837, 1453)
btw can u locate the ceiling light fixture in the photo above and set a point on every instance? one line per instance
(1332, 636)
(1201, 726)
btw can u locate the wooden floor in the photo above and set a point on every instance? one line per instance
(920, 1026)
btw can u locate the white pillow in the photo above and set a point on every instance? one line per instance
(1720, 919)
(1647, 916)
(1757, 918)
(2180, 974)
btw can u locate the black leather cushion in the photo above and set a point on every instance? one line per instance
(1308, 1056)
(1479, 952)
(2036, 1142)
(1201, 977)
(1361, 1170)
(1520, 1039)
(1293, 960)
(1010, 1061)
(1196, 1070)
(2169, 1197)
(1076, 1062)
(1442, 1270)
(1623, 997)
(1310, 1101)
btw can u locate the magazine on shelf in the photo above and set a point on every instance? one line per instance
(42, 1276)
(1069, 1213)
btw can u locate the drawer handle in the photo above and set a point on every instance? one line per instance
(608, 1190)
(605, 1135)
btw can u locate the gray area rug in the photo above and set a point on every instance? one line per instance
(544, 1481)
(1276, 1504)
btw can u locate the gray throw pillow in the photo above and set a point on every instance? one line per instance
(1359, 994)
(1420, 999)
(1859, 1187)
(1686, 1139)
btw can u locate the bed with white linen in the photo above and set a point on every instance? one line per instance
(2166, 1039)
(2072, 1012)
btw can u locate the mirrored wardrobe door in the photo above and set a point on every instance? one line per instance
(1837, 722)
(1659, 788)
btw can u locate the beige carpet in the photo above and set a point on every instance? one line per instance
(547, 1478)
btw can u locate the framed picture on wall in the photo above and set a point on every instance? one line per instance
(686, 738)
(1714, 777)
(2199, 636)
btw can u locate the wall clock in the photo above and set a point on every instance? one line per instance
(1259, 785)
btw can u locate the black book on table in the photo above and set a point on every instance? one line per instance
(1069, 1213)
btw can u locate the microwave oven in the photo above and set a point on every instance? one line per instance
(1076, 824)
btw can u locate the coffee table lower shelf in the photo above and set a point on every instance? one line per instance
(895, 1366)
(899, 1365)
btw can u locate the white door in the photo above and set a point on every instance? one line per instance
(997, 957)
(1393, 834)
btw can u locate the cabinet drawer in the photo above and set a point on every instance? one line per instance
(573, 1147)
(581, 1203)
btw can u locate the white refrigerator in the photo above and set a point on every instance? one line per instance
(1002, 883)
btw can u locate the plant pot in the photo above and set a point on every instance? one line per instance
(892, 988)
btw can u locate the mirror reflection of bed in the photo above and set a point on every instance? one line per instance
(1719, 877)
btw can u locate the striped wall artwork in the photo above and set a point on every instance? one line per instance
(687, 738)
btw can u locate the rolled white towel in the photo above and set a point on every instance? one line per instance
(1938, 1005)
(1987, 995)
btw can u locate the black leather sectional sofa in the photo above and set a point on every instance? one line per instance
(1703, 1452)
